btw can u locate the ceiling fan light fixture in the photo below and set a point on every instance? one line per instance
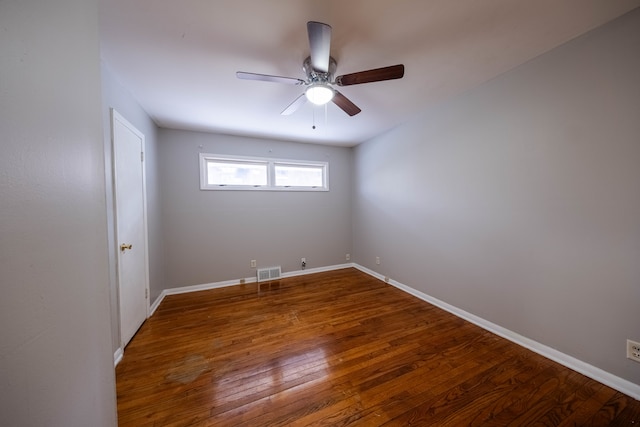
(319, 93)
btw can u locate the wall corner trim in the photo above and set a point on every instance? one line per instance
(604, 377)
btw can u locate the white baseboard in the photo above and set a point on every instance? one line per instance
(117, 356)
(604, 377)
(315, 270)
(153, 307)
(216, 285)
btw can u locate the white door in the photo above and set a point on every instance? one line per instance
(131, 226)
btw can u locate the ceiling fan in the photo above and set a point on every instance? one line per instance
(320, 68)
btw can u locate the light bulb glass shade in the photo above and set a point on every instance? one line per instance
(319, 93)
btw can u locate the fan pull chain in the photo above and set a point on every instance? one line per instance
(326, 117)
(313, 115)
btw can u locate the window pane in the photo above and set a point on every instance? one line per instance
(229, 173)
(299, 176)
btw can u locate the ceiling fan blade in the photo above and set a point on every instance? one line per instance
(320, 45)
(345, 104)
(267, 78)
(370, 76)
(295, 105)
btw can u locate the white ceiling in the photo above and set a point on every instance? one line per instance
(179, 58)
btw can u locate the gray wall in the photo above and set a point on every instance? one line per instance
(519, 201)
(56, 365)
(114, 95)
(211, 236)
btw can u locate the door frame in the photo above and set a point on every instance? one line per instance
(117, 117)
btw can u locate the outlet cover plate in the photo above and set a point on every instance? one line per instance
(633, 350)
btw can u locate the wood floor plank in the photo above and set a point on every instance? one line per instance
(609, 413)
(342, 348)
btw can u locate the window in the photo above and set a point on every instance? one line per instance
(218, 172)
(299, 175)
(229, 172)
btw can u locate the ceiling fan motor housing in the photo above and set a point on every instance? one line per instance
(316, 76)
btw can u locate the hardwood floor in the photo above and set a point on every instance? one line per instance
(342, 348)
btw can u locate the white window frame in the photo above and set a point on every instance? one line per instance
(271, 165)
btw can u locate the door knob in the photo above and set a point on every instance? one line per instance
(124, 246)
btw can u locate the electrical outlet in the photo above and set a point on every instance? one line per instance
(377, 260)
(253, 263)
(633, 350)
(348, 257)
(303, 260)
